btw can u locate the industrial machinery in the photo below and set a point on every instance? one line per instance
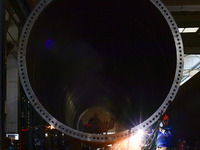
(120, 61)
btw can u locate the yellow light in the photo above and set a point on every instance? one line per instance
(134, 142)
(50, 127)
(136, 139)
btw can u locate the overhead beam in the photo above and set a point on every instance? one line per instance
(180, 2)
(181, 8)
(192, 50)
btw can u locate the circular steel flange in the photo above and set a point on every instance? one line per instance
(87, 136)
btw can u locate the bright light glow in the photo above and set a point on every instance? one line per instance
(13, 136)
(134, 142)
(50, 127)
(181, 29)
(63, 134)
(190, 30)
(111, 133)
(140, 133)
(46, 134)
(136, 139)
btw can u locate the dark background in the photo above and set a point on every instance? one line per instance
(184, 113)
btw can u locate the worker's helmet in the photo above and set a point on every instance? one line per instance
(165, 117)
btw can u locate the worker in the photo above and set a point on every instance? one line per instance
(164, 134)
(94, 123)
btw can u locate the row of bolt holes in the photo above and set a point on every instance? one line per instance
(70, 132)
(29, 93)
(157, 115)
(73, 133)
(146, 123)
(163, 107)
(33, 101)
(41, 4)
(179, 43)
(114, 136)
(171, 21)
(93, 137)
(78, 134)
(86, 136)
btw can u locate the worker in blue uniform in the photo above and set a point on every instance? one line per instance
(165, 133)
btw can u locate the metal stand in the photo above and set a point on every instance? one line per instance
(2, 73)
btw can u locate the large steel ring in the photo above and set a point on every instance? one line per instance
(137, 43)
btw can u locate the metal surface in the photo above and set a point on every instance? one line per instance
(131, 78)
(2, 73)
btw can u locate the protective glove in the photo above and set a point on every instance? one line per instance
(161, 124)
(162, 130)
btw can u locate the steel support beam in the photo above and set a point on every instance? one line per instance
(192, 50)
(21, 8)
(186, 8)
(2, 73)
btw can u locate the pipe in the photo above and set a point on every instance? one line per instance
(100, 58)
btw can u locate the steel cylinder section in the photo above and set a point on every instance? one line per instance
(118, 61)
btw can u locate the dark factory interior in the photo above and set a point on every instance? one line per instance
(99, 75)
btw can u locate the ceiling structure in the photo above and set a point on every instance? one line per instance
(187, 14)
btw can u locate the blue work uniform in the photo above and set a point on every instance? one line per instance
(164, 138)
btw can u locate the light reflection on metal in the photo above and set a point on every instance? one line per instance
(188, 30)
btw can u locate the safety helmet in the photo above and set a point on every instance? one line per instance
(165, 117)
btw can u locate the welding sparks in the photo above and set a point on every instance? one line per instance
(134, 142)
(50, 127)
